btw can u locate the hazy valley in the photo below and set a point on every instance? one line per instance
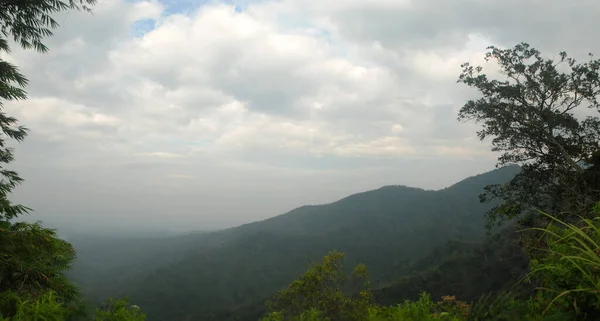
(405, 236)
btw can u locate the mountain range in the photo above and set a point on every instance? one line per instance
(411, 240)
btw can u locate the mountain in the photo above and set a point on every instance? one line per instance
(105, 264)
(468, 270)
(202, 276)
(465, 269)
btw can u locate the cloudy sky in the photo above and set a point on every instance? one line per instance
(190, 114)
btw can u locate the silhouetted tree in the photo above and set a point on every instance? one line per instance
(529, 115)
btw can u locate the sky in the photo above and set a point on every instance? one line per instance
(188, 115)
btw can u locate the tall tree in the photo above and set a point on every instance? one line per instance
(32, 258)
(26, 22)
(530, 116)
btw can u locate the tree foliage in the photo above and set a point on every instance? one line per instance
(327, 293)
(26, 22)
(48, 307)
(33, 259)
(328, 289)
(567, 266)
(530, 115)
(119, 310)
(33, 262)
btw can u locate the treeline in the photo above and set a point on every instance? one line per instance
(565, 266)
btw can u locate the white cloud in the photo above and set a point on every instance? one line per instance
(180, 176)
(397, 128)
(285, 92)
(159, 154)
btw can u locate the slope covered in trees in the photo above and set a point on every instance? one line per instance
(391, 229)
(106, 264)
(467, 269)
(564, 273)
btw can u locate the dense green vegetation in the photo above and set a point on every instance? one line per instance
(402, 242)
(565, 270)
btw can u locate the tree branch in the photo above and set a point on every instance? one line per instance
(6, 3)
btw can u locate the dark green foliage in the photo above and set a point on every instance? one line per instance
(326, 288)
(507, 306)
(326, 293)
(30, 21)
(47, 307)
(564, 268)
(566, 271)
(11, 84)
(567, 266)
(119, 310)
(33, 262)
(529, 116)
(467, 269)
(51, 307)
(423, 309)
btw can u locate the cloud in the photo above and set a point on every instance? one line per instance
(180, 176)
(284, 102)
(159, 154)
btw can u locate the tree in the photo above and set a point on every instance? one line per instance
(27, 22)
(327, 290)
(45, 308)
(32, 264)
(529, 114)
(119, 310)
(32, 258)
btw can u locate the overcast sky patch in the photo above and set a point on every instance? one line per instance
(209, 114)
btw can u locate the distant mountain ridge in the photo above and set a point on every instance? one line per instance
(389, 229)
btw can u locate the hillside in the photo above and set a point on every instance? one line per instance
(464, 269)
(106, 264)
(467, 270)
(390, 229)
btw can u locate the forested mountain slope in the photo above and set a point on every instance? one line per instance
(106, 264)
(466, 269)
(389, 229)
